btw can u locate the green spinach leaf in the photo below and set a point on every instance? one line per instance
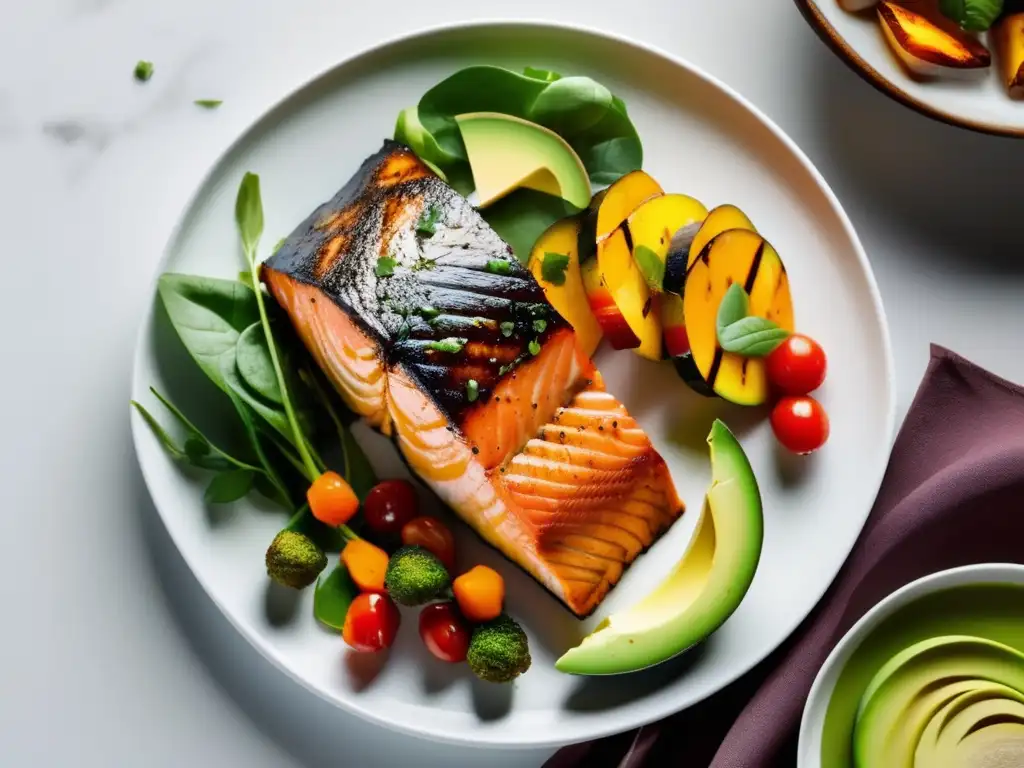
(229, 486)
(521, 217)
(208, 315)
(585, 113)
(249, 214)
(333, 596)
(972, 15)
(254, 363)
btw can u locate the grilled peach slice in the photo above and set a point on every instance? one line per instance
(925, 48)
(1008, 35)
(689, 242)
(651, 229)
(743, 257)
(554, 261)
(618, 296)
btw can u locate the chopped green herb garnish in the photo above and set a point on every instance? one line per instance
(452, 345)
(507, 327)
(498, 267)
(534, 347)
(429, 313)
(472, 390)
(504, 369)
(208, 103)
(385, 266)
(403, 330)
(143, 71)
(552, 269)
(540, 325)
(427, 225)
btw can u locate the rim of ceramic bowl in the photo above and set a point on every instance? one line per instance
(824, 681)
(834, 40)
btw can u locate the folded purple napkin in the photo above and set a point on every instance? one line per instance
(953, 494)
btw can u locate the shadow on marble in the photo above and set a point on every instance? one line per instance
(955, 188)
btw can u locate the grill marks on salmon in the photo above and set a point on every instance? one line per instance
(544, 464)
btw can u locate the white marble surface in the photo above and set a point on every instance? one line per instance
(112, 655)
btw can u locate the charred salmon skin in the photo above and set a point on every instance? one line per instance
(432, 331)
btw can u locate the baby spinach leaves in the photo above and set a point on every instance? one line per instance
(745, 334)
(332, 597)
(585, 113)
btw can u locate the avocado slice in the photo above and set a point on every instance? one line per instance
(953, 700)
(508, 153)
(704, 589)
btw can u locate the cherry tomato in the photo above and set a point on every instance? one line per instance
(371, 623)
(390, 505)
(797, 365)
(444, 632)
(431, 534)
(480, 592)
(332, 500)
(800, 424)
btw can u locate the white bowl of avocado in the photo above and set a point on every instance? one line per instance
(932, 676)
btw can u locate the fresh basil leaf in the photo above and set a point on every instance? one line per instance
(544, 75)
(254, 363)
(385, 267)
(165, 439)
(249, 214)
(972, 15)
(208, 103)
(521, 217)
(751, 336)
(143, 71)
(733, 307)
(229, 486)
(209, 315)
(552, 269)
(651, 267)
(333, 596)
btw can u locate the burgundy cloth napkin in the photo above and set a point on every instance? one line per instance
(953, 494)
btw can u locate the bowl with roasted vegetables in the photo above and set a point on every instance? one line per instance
(958, 61)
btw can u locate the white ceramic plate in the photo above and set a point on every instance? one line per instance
(811, 727)
(700, 138)
(979, 104)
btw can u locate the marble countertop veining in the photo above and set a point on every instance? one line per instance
(113, 654)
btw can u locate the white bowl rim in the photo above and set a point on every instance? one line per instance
(976, 573)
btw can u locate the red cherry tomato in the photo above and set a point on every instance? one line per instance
(444, 632)
(800, 424)
(390, 505)
(797, 365)
(371, 623)
(431, 534)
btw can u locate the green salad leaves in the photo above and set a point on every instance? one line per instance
(582, 111)
(245, 347)
(585, 113)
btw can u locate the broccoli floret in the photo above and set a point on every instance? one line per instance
(499, 651)
(415, 576)
(294, 560)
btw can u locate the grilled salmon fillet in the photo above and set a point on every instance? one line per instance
(431, 330)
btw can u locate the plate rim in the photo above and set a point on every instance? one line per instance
(837, 43)
(262, 111)
(948, 578)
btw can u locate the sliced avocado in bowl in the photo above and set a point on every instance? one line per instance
(705, 587)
